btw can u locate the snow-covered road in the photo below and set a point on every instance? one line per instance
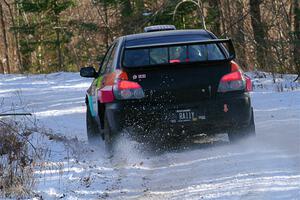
(266, 167)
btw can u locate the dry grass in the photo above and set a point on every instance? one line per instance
(17, 159)
(23, 153)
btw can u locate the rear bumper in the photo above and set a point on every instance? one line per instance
(144, 116)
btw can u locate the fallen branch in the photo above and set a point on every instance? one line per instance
(14, 114)
(298, 77)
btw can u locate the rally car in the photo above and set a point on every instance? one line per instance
(181, 82)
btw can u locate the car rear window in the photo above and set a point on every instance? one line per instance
(172, 54)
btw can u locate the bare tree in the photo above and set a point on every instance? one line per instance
(239, 34)
(16, 37)
(258, 32)
(6, 50)
(200, 7)
(214, 6)
(297, 36)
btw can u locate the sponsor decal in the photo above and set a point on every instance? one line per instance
(139, 76)
(142, 76)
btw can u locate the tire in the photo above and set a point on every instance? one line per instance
(243, 132)
(92, 130)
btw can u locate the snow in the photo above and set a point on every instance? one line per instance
(265, 167)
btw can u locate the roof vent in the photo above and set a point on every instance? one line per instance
(159, 28)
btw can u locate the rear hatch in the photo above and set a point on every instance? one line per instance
(178, 73)
(179, 83)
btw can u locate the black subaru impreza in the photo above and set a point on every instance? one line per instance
(181, 82)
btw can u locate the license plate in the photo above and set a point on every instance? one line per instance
(186, 115)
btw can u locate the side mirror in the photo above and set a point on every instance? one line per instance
(88, 72)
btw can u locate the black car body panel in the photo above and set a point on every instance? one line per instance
(210, 115)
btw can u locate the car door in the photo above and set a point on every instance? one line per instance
(97, 82)
(106, 77)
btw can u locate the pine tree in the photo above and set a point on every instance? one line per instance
(43, 33)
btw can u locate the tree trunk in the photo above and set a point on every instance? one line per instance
(215, 12)
(140, 8)
(297, 35)
(58, 48)
(1, 67)
(15, 35)
(223, 23)
(239, 34)
(258, 32)
(58, 30)
(228, 8)
(4, 39)
(126, 19)
(106, 24)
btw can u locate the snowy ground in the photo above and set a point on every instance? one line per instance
(266, 167)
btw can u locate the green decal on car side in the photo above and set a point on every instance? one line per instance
(90, 100)
(99, 81)
(90, 97)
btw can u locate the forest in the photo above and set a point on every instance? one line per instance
(183, 128)
(43, 36)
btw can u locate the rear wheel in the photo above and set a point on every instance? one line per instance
(93, 133)
(109, 136)
(243, 132)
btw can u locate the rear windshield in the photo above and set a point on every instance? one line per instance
(172, 54)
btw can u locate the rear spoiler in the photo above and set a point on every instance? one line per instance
(231, 51)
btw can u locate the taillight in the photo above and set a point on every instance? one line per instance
(119, 87)
(175, 61)
(248, 84)
(233, 81)
(106, 94)
(125, 85)
(124, 89)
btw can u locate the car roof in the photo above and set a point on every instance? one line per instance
(167, 36)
